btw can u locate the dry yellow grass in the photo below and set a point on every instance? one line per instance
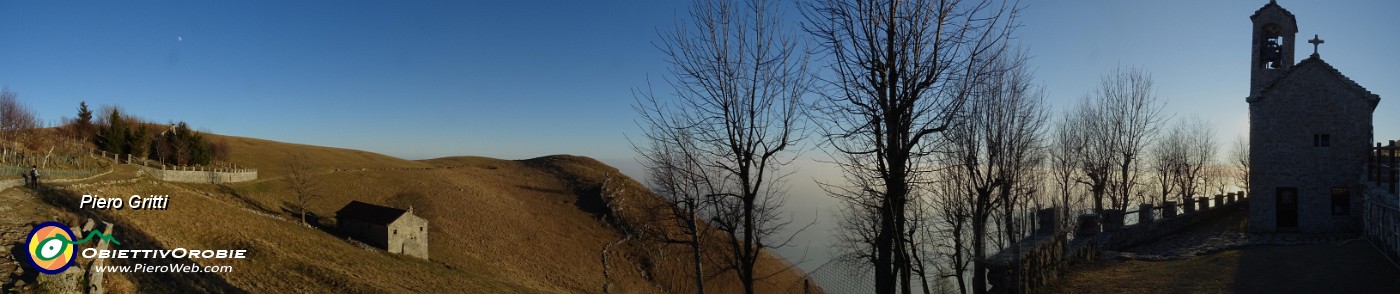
(495, 226)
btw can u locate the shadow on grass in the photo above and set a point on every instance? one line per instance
(313, 219)
(588, 196)
(133, 238)
(250, 203)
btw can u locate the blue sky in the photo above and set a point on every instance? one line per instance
(520, 79)
(417, 80)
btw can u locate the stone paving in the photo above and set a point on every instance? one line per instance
(1219, 256)
(1222, 235)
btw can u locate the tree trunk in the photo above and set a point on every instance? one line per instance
(1098, 190)
(750, 250)
(1009, 217)
(919, 262)
(884, 271)
(695, 246)
(979, 254)
(959, 264)
(1123, 204)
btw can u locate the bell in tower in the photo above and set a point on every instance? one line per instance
(1271, 54)
(1271, 45)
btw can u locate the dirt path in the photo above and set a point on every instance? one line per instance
(1219, 257)
(19, 207)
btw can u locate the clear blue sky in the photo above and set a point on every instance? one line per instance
(412, 79)
(520, 79)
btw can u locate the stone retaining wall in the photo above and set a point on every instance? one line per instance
(202, 176)
(1033, 263)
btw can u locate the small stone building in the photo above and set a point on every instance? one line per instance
(1310, 132)
(395, 230)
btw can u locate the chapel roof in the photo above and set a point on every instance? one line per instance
(1315, 61)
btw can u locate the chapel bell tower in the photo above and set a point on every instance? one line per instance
(1272, 45)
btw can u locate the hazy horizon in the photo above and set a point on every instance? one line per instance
(517, 80)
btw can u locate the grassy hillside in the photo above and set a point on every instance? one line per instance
(537, 225)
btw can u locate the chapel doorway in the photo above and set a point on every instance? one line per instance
(1286, 208)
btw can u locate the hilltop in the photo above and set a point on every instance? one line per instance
(515, 226)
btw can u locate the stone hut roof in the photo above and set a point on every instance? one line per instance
(1316, 61)
(370, 213)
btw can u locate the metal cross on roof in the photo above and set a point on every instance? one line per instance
(1315, 41)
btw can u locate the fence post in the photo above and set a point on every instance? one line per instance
(1204, 202)
(1375, 163)
(1049, 220)
(1088, 225)
(1168, 209)
(1189, 206)
(1392, 168)
(1145, 213)
(1112, 220)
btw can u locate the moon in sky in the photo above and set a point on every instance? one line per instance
(180, 39)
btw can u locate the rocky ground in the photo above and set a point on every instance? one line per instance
(20, 207)
(17, 205)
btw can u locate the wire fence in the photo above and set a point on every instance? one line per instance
(1382, 226)
(839, 278)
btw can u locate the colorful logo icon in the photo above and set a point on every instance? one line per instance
(51, 247)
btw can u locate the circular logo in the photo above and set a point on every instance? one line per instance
(50, 247)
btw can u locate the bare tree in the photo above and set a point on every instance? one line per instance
(954, 213)
(1096, 154)
(1190, 146)
(1166, 167)
(1064, 162)
(16, 119)
(1119, 119)
(1135, 117)
(677, 173)
(739, 80)
(299, 181)
(220, 150)
(995, 148)
(895, 70)
(1216, 179)
(1239, 162)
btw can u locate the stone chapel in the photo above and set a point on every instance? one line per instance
(1309, 134)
